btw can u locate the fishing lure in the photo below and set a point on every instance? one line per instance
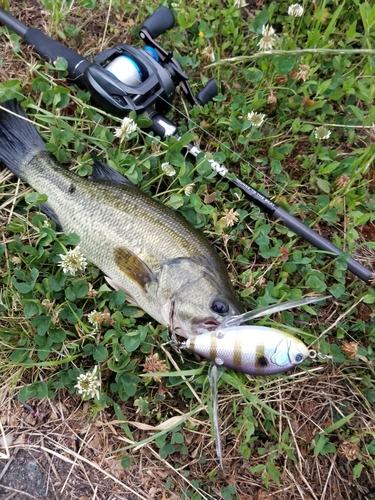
(255, 350)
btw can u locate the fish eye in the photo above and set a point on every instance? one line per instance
(219, 306)
(299, 358)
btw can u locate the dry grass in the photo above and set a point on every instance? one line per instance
(80, 456)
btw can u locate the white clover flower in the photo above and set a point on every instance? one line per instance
(93, 318)
(168, 169)
(73, 261)
(322, 133)
(256, 119)
(189, 189)
(267, 41)
(230, 217)
(240, 3)
(208, 54)
(88, 384)
(128, 126)
(295, 10)
(302, 72)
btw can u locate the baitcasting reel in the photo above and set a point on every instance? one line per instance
(124, 78)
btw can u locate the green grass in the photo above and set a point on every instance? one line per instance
(307, 433)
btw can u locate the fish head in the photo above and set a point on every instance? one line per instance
(201, 306)
(289, 352)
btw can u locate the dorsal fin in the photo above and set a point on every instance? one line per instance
(102, 171)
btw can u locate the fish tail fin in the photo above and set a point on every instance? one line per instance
(19, 139)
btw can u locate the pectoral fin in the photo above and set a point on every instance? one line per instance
(133, 267)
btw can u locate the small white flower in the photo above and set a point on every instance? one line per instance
(168, 169)
(230, 217)
(73, 261)
(88, 384)
(240, 3)
(93, 318)
(295, 10)
(302, 72)
(128, 126)
(208, 54)
(189, 189)
(256, 119)
(322, 133)
(267, 41)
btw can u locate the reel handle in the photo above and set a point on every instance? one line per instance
(160, 21)
(209, 92)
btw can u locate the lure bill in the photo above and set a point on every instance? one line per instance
(255, 350)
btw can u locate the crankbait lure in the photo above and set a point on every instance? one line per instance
(255, 350)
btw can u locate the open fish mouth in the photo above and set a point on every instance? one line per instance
(204, 326)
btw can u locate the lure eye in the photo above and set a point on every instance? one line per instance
(299, 358)
(220, 306)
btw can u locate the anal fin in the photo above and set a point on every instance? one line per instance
(116, 286)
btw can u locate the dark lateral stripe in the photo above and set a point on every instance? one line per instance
(213, 347)
(237, 353)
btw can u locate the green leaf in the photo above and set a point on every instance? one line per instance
(274, 472)
(323, 185)
(132, 343)
(357, 470)
(61, 64)
(120, 416)
(285, 64)
(100, 353)
(166, 450)
(42, 323)
(27, 392)
(32, 307)
(57, 335)
(41, 389)
(175, 201)
(20, 356)
(339, 423)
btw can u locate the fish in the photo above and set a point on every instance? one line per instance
(251, 349)
(166, 267)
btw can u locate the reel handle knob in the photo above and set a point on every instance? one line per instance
(209, 92)
(160, 21)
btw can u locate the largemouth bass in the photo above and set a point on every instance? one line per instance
(165, 266)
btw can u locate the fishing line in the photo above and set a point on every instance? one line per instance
(289, 220)
(254, 167)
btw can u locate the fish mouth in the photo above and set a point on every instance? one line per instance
(204, 326)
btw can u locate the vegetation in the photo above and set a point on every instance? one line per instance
(297, 123)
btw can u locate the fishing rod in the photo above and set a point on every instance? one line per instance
(124, 79)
